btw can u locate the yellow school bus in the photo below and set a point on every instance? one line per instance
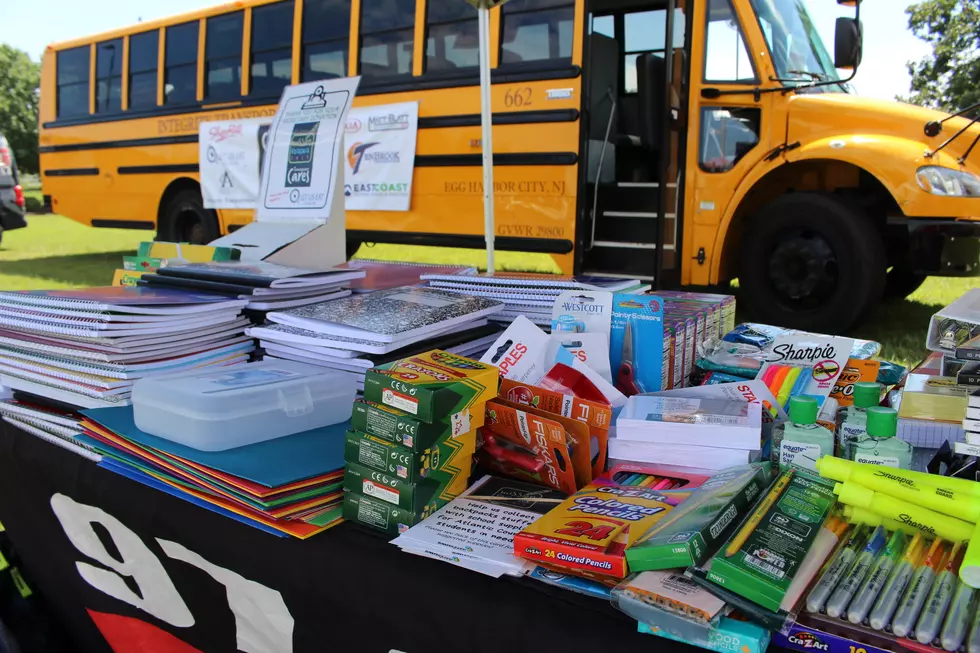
(688, 142)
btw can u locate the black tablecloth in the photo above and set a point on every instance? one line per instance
(344, 590)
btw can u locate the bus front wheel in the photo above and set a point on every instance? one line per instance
(185, 220)
(811, 261)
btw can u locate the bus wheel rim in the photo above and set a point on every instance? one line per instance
(804, 270)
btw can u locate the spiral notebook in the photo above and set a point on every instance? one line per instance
(124, 299)
(260, 274)
(95, 330)
(290, 334)
(509, 280)
(389, 315)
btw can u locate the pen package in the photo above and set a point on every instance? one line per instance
(762, 558)
(527, 443)
(698, 526)
(596, 415)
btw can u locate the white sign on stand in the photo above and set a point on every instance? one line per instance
(299, 217)
(230, 162)
(380, 159)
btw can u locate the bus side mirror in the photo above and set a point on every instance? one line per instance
(847, 43)
(848, 3)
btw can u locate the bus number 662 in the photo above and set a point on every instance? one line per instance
(516, 98)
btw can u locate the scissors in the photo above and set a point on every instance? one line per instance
(626, 379)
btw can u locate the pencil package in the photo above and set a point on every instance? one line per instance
(695, 529)
(597, 416)
(434, 387)
(762, 558)
(531, 444)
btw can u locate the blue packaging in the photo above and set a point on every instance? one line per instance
(645, 315)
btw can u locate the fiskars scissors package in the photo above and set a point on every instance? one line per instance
(637, 350)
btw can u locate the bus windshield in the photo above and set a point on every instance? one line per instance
(797, 50)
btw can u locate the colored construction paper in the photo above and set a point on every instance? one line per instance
(271, 464)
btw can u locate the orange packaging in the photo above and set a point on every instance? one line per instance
(856, 370)
(534, 445)
(597, 416)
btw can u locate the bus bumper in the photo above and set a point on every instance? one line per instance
(944, 248)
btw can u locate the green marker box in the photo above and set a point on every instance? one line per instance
(442, 461)
(405, 430)
(413, 497)
(763, 567)
(434, 387)
(380, 515)
(694, 530)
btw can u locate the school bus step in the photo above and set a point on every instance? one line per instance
(630, 197)
(634, 259)
(623, 226)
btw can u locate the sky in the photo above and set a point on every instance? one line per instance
(882, 74)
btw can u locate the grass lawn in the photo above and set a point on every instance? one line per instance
(54, 252)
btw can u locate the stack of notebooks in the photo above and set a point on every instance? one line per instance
(382, 275)
(264, 286)
(55, 423)
(707, 433)
(286, 486)
(86, 348)
(359, 332)
(530, 295)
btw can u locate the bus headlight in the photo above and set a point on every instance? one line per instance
(947, 181)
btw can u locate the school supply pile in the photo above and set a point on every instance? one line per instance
(359, 332)
(409, 450)
(285, 486)
(87, 347)
(474, 530)
(47, 420)
(705, 432)
(530, 295)
(264, 286)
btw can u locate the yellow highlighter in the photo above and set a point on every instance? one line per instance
(905, 512)
(760, 512)
(787, 387)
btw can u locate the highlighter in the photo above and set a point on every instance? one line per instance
(970, 569)
(872, 519)
(887, 603)
(855, 576)
(973, 643)
(838, 567)
(915, 595)
(937, 602)
(883, 566)
(842, 470)
(786, 388)
(958, 617)
(823, 546)
(909, 514)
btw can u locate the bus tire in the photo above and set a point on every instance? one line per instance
(902, 282)
(811, 261)
(185, 220)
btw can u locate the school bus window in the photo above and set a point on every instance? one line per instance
(143, 50)
(180, 64)
(794, 43)
(536, 30)
(73, 82)
(272, 49)
(453, 39)
(387, 37)
(108, 76)
(727, 135)
(223, 57)
(646, 32)
(726, 58)
(605, 25)
(326, 34)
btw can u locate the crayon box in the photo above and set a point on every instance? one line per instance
(762, 565)
(382, 515)
(412, 497)
(405, 430)
(434, 387)
(696, 528)
(374, 453)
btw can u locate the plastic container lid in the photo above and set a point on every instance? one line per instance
(867, 394)
(882, 422)
(803, 410)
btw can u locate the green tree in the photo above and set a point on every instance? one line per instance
(20, 81)
(950, 77)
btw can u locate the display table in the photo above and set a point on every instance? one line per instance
(343, 590)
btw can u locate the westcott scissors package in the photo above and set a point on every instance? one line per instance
(636, 344)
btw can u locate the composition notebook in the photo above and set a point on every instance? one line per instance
(260, 274)
(389, 315)
(510, 279)
(124, 299)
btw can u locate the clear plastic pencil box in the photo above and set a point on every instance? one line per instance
(216, 409)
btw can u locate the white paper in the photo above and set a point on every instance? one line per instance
(230, 162)
(380, 157)
(304, 151)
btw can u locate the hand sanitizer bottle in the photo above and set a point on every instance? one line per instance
(853, 421)
(879, 446)
(800, 442)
